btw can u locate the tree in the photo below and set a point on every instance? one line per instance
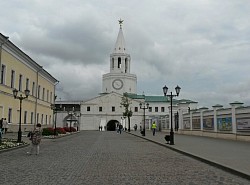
(127, 111)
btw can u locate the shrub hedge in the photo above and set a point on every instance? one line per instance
(50, 131)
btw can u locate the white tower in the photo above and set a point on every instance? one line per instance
(119, 79)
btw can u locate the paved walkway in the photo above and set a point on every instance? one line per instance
(230, 155)
(105, 158)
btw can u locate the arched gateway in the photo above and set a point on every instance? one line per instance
(111, 125)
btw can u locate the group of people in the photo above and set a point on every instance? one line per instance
(154, 126)
(100, 128)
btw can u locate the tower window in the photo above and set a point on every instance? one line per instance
(126, 65)
(113, 63)
(119, 62)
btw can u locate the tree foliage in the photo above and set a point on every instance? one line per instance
(126, 103)
(127, 111)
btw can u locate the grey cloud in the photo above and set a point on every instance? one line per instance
(203, 46)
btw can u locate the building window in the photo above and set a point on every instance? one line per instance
(46, 119)
(88, 108)
(42, 119)
(162, 109)
(31, 117)
(113, 109)
(12, 79)
(156, 109)
(50, 97)
(33, 89)
(150, 109)
(3, 74)
(43, 94)
(27, 83)
(20, 82)
(136, 109)
(47, 95)
(25, 117)
(100, 109)
(49, 119)
(119, 62)
(37, 118)
(10, 116)
(38, 91)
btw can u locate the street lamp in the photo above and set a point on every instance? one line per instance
(21, 97)
(144, 107)
(165, 90)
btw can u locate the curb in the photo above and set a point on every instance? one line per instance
(212, 163)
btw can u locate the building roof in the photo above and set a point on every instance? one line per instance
(157, 98)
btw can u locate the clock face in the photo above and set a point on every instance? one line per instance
(117, 84)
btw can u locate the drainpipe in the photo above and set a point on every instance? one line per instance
(37, 75)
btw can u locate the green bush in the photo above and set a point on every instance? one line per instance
(48, 131)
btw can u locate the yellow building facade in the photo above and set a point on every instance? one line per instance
(19, 71)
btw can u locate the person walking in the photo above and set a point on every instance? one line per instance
(154, 127)
(135, 127)
(5, 125)
(120, 128)
(35, 138)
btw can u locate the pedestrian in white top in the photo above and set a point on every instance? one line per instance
(5, 125)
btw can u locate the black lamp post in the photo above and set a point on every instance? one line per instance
(165, 90)
(144, 107)
(26, 92)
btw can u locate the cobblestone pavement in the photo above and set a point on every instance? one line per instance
(92, 157)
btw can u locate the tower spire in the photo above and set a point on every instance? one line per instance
(120, 42)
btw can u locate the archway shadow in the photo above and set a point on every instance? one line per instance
(111, 125)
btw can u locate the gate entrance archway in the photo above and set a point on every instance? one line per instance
(111, 125)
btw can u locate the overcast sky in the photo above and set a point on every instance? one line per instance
(201, 45)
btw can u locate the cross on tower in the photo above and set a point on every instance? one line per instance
(120, 22)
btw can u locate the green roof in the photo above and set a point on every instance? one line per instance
(157, 98)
